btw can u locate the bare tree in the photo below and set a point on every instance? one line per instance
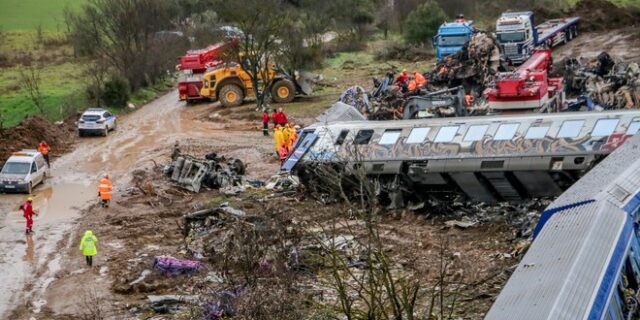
(30, 82)
(121, 33)
(263, 23)
(368, 285)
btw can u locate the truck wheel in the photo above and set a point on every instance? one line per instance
(283, 91)
(105, 132)
(231, 95)
(30, 188)
(80, 133)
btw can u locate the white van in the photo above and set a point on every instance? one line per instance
(23, 171)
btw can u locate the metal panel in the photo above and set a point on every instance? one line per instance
(621, 163)
(538, 184)
(470, 185)
(559, 275)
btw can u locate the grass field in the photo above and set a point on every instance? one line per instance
(19, 15)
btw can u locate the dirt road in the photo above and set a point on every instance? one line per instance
(29, 263)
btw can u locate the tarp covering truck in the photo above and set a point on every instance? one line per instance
(518, 35)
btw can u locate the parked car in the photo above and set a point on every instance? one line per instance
(23, 171)
(96, 121)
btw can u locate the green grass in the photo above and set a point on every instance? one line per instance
(24, 15)
(61, 87)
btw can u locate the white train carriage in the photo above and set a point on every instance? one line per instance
(486, 158)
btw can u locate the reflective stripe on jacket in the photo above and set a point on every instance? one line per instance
(105, 189)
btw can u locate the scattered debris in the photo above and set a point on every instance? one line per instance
(143, 275)
(282, 182)
(170, 303)
(213, 172)
(602, 83)
(173, 266)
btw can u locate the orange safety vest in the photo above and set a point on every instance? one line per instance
(44, 149)
(420, 80)
(283, 152)
(104, 188)
(412, 85)
(292, 141)
(469, 100)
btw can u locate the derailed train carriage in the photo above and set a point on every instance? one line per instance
(491, 158)
(584, 262)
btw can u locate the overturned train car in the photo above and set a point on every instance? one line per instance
(493, 158)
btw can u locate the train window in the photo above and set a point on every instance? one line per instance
(506, 131)
(633, 128)
(570, 129)
(604, 127)
(475, 133)
(390, 137)
(536, 132)
(363, 136)
(418, 135)
(446, 134)
(343, 135)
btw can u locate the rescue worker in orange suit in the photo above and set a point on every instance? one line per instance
(104, 191)
(420, 80)
(44, 149)
(265, 123)
(283, 152)
(293, 136)
(27, 212)
(468, 100)
(413, 86)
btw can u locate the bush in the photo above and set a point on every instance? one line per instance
(404, 52)
(116, 92)
(423, 22)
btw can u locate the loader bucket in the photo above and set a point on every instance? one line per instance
(306, 81)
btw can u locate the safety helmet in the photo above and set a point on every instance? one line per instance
(30, 199)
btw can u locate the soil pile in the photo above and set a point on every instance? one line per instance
(29, 133)
(598, 15)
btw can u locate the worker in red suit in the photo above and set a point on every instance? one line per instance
(265, 123)
(403, 78)
(27, 212)
(282, 120)
(274, 117)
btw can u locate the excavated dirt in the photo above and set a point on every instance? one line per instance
(29, 133)
(600, 15)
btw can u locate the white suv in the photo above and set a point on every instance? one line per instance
(96, 120)
(23, 171)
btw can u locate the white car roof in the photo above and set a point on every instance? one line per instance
(96, 111)
(26, 155)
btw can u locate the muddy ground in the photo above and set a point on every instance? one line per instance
(44, 276)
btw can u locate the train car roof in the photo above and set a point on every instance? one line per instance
(481, 119)
(564, 273)
(600, 183)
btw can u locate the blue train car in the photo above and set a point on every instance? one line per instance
(584, 261)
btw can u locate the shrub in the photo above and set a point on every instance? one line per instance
(116, 92)
(404, 52)
(423, 22)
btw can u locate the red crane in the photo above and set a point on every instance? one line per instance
(528, 87)
(194, 64)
